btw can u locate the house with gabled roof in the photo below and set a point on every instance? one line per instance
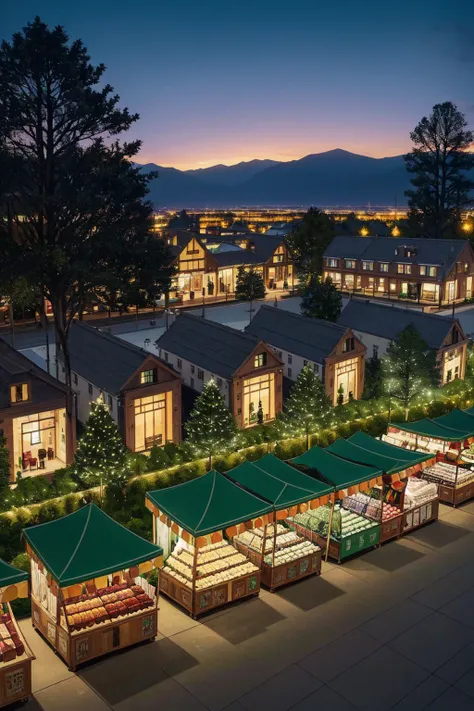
(334, 352)
(427, 271)
(40, 435)
(143, 393)
(378, 324)
(207, 266)
(246, 369)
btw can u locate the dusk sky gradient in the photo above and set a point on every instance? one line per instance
(221, 82)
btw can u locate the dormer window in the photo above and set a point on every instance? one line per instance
(147, 377)
(19, 392)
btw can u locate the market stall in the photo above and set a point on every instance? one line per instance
(403, 501)
(451, 438)
(15, 654)
(194, 524)
(340, 533)
(282, 554)
(90, 589)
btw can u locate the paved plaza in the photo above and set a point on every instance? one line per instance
(391, 629)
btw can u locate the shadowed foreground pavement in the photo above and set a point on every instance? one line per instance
(392, 629)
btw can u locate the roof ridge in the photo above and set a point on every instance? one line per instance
(96, 330)
(216, 324)
(81, 537)
(308, 319)
(402, 309)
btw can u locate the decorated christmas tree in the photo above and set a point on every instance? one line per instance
(211, 427)
(308, 406)
(101, 454)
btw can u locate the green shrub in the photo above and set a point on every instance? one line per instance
(158, 459)
(71, 503)
(22, 562)
(49, 511)
(142, 527)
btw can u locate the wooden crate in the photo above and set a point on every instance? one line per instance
(275, 577)
(420, 516)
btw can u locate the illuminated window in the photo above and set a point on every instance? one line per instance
(404, 268)
(427, 271)
(367, 266)
(260, 360)
(348, 345)
(259, 392)
(148, 376)
(383, 266)
(19, 392)
(150, 421)
(350, 264)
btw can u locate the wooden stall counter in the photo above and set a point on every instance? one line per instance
(15, 667)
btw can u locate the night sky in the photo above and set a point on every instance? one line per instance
(221, 82)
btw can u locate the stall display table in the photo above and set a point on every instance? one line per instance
(295, 558)
(98, 600)
(16, 658)
(455, 484)
(216, 575)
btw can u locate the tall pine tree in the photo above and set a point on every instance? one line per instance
(211, 427)
(409, 368)
(321, 299)
(101, 456)
(308, 405)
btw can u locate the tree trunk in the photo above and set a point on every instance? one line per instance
(45, 324)
(12, 325)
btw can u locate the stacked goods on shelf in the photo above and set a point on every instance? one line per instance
(217, 563)
(288, 545)
(419, 492)
(443, 473)
(104, 605)
(368, 506)
(11, 645)
(344, 523)
(15, 654)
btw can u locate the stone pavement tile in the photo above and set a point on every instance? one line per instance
(461, 608)
(447, 588)
(424, 694)
(282, 691)
(312, 593)
(445, 532)
(333, 659)
(457, 666)
(466, 684)
(433, 641)
(244, 622)
(124, 675)
(396, 620)
(72, 694)
(234, 707)
(48, 667)
(166, 695)
(379, 681)
(172, 619)
(201, 644)
(452, 700)
(324, 699)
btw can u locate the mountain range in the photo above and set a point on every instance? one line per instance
(334, 178)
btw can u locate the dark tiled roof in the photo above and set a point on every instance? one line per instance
(103, 359)
(15, 368)
(387, 321)
(310, 338)
(440, 252)
(211, 346)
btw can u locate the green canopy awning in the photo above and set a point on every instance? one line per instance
(334, 469)
(385, 449)
(10, 575)
(277, 482)
(360, 455)
(209, 503)
(431, 428)
(458, 420)
(87, 544)
(469, 411)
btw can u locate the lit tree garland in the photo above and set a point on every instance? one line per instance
(409, 368)
(307, 406)
(211, 427)
(101, 454)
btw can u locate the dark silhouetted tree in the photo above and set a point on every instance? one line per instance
(308, 242)
(321, 299)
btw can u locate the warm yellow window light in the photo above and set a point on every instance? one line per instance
(396, 231)
(364, 231)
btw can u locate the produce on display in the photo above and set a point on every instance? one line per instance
(289, 546)
(344, 523)
(105, 604)
(216, 563)
(419, 492)
(11, 645)
(443, 473)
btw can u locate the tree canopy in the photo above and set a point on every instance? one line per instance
(249, 285)
(211, 427)
(321, 299)
(74, 218)
(409, 367)
(439, 164)
(308, 242)
(307, 406)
